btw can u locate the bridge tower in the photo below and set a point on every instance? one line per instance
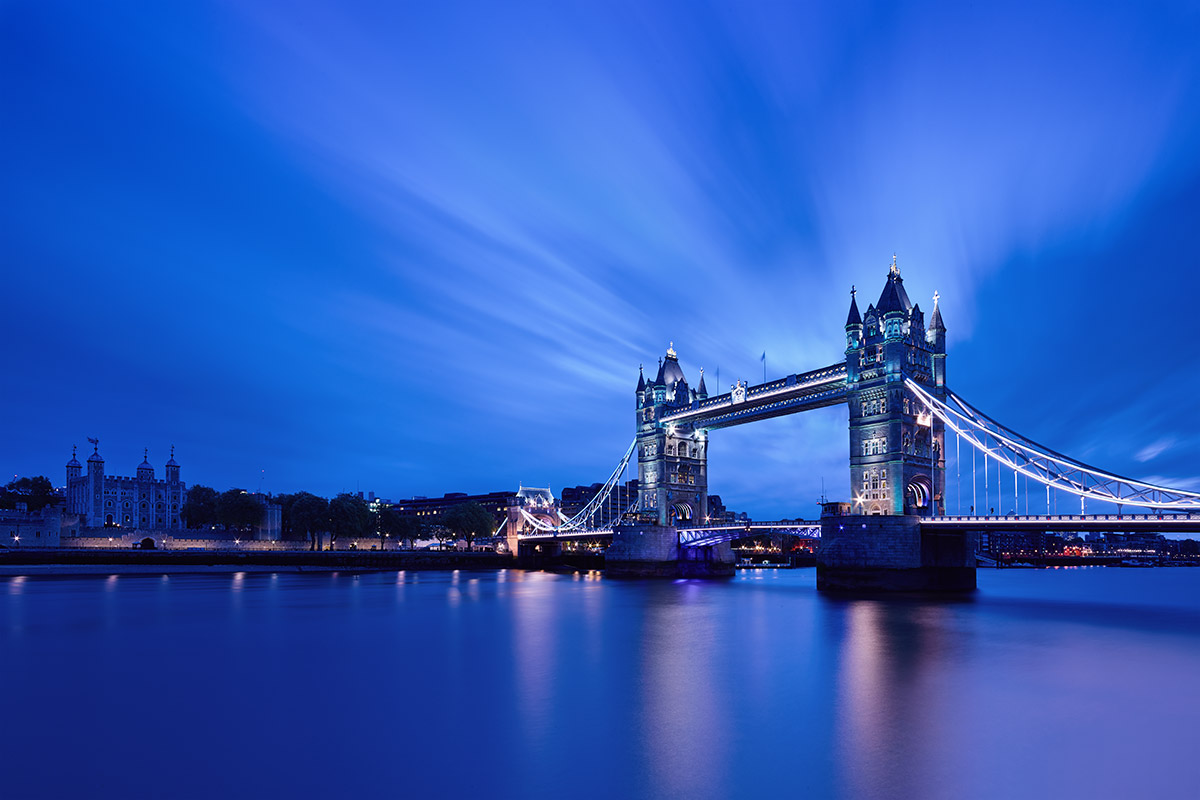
(897, 453)
(672, 459)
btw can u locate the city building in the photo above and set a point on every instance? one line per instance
(142, 501)
(719, 515)
(622, 499)
(430, 509)
(376, 504)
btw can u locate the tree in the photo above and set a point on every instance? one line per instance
(36, 493)
(309, 517)
(238, 510)
(349, 518)
(401, 527)
(200, 507)
(469, 520)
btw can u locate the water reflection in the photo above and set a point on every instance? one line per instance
(535, 654)
(537, 685)
(890, 702)
(681, 704)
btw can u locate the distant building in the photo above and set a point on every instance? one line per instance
(431, 509)
(141, 502)
(718, 514)
(622, 499)
(373, 502)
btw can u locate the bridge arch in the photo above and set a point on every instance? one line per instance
(919, 493)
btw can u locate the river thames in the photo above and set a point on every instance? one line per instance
(1046, 683)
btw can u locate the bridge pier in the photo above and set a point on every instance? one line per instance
(647, 550)
(538, 554)
(891, 553)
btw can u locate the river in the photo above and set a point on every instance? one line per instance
(1046, 683)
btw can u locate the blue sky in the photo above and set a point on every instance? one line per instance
(418, 248)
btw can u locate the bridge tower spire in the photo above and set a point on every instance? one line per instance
(897, 463)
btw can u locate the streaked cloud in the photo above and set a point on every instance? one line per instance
(426, 250)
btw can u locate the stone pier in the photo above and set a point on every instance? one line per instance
(890, 553)
(646, 550)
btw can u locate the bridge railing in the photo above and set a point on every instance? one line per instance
(574, 533)
(1166, 517)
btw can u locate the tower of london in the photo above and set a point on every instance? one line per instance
(141, 502)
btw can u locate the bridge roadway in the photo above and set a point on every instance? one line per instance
(695, 537)
(1065, 523)
(1095, 523)
(800, 392)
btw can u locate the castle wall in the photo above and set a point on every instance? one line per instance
(168, 540)
(25, 529)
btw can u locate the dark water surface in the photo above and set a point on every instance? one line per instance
(1048, 683)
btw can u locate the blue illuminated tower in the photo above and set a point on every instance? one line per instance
(897, 454)
(672, 459)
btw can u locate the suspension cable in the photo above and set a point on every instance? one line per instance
(1044, 465)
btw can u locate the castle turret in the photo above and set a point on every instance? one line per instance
(935, 336)
(74, 468)
(854, 324)
(172, 468)
(95, 461)
(894, 305)
(702, 390)
(95, 486)
(145, 471)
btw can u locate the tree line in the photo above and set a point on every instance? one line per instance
(36, 493)
(233, 509)
(308, 517)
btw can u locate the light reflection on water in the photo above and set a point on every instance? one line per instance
(516, 684)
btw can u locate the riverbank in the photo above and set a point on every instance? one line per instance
(90, 561)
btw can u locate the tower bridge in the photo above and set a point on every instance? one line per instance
(895, 532)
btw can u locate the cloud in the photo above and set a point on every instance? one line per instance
(1154, 450)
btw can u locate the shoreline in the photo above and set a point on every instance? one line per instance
(105, 561)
